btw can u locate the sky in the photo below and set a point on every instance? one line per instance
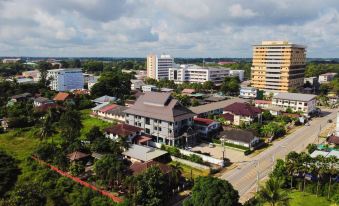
(182, 28)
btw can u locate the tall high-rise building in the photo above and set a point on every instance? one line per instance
(157, 67)
(66, 79)
(278, 66)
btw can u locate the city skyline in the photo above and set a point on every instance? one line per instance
(135, 28)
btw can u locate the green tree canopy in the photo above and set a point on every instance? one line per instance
(211, 191)
(9, 172)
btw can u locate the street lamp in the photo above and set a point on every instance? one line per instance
(223, 139)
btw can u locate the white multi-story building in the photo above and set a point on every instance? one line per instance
(248, 92)
(197, 74)
(157, 67)
(238, 73)
(298, 102)
(66, 79)
(324, 78)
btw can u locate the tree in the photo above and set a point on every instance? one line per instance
(292, 165)
(27, 194)
(230, 86)
(9, 172)
(211, 191)
(267, 116)
(311, 148)
(43, 67)
(93, 66)
(70, 125)
(272, 193)
(152, 188)
(208, 85)
(332, 170)
(195, 102)
(47, 128)
(110, 169)
(175, 174)
(280, 171)
(94, 133)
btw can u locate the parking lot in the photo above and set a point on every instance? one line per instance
(234, 156)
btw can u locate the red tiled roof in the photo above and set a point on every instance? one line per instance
(333, 140)
(138, 167)
(122, 130)
(76, 155)
(188, 91)
(203, 121)
(61, 96)
(108, 108)
(142, 139)
(258, 101)
(227, 116)
(242, 109)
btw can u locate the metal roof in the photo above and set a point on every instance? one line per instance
(295, 96)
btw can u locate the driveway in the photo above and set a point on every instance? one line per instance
(234, 156)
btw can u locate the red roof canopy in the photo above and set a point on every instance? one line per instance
(242, 109)
(203, 121)
(123, 130)
(61, 96)
(108, 108)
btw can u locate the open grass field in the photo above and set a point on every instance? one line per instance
(19, 142)
(186, 171)
(306, 199)
(88, 122)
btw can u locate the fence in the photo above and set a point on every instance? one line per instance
(83, 183)
(189, 163)
(204, 157)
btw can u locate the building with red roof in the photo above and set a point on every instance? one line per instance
(110, 112)
(139, 167)
(62, 96)
(243, 112)
(126, 131)
(205, 126)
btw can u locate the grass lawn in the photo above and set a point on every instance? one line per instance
(89, 122)
(186, 171)
(306, 199)
(19, 142)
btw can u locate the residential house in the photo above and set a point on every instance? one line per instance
(140, 153)
(111, 112)
(139, 167)
(162, 117)
(125, 131)
(136, 84)
(267, 105)
(77, 156)
(62, 96)
(20, 97)
(305, 103)
(149, 88)
(243, 112)
(42, 101)
(104, 99)
(327, 77)
(205, 126)
(239, 137)
(188, 91)
(248, 92)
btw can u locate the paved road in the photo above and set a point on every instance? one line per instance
(244, 177)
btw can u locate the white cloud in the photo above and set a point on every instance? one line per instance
(236, 10)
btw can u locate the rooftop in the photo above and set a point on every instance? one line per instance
(160, 106)
(77, 155)
(214, 106)
(104, 98)
(294, 96)
(122, 130)
(203, 121)
(237, 135)
(138, 167)
(143, 153)
(61, 96)
(242, 109)
(42, 100)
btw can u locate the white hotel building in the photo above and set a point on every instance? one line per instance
(298, 102)
(197, 74)
(66, 79)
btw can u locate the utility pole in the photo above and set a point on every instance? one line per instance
(257, 189)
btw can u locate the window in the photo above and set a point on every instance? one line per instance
(155, 128)
(160, 129)
(127, 122)
(147, 121)
(147, 131)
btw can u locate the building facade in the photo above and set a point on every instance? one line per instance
(162, 117)
(278, 66)
(197, 74)
(327, 77)
(66, 79)
(304, 103)
(248, 92)
(157, 67)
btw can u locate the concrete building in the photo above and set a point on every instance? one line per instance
(157, 67)
(298, 102)
(162, 117)
(238, 73)
(205, 126)
(149, 88)
(243, 113)
(278, 66)
(248, 92)
(66, 79)
(10, 60)
(197, 74)
(35, 74)
(136, 84)
(327, 77)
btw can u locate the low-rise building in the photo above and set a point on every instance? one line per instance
(239, 137)
(205, 126)
(149, 88)
(104, 99)
(10, 60)
(42, 101)
(62, 96)
(243, 112)
(327, 77)
(162, 117)
(125, 131)
(311, 80)
(136, 84)
(139, 153)
(305, 103)
(34, 74)
(238, 73)
(197, 74)
(111, 112)
(92, 82)
(248, 92)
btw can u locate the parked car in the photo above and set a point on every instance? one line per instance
(211, 145)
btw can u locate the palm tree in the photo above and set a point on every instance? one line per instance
(292, 164)
(47, 127)
(332, 170)
(306, 166)
(175, 173)
(273, 194)
(322, 168)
